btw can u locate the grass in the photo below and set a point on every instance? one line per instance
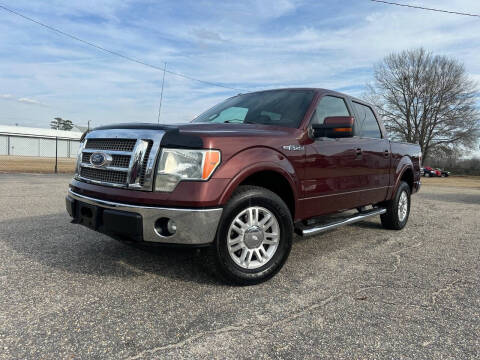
(470, 182)
(27, 164)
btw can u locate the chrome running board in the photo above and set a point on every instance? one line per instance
(316, 229)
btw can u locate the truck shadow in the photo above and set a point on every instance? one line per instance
(53, 241)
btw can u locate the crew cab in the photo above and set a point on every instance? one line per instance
(245, 175)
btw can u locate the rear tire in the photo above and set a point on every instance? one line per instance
(398, 209)
(254, 237)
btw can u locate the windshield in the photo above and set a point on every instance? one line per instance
(278, 107)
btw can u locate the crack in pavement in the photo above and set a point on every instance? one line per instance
(448, 287)
(242, 327)
(396, 254)
(433, 296)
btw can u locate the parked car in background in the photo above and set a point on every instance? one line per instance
(431, 172)
(428, 171)
(244, 175)
(443, 173)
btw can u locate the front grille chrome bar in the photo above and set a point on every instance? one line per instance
(134, 154)
(111, 152)
(113, 168)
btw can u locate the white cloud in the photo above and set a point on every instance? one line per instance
(29, 101)
(248, 44)
(24, 100)
(208, 35)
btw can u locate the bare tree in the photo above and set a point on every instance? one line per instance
(428, 100)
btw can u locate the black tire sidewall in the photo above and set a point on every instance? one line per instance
(254, 196)
(403, 187)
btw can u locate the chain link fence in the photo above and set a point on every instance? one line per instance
(37, 154)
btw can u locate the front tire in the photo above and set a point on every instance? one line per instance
(254, 237)
(398, 209)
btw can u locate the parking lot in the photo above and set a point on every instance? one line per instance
(356, 292)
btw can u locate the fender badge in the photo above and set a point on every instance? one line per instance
(293, 147)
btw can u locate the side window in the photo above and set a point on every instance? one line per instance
(273, 116)
(329, 106)
(366, 125)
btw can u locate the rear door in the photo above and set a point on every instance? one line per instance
(374, 151)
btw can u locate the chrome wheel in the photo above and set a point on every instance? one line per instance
(253, 237)
(402, 206)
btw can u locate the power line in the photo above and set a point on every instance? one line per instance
(425, 8)
(112, 52)
(161, 93)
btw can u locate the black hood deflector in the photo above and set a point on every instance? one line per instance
(173, 138)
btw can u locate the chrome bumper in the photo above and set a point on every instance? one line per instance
(194, 226)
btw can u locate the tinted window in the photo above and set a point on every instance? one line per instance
(278, 107)
(366, 124)
(329, 106)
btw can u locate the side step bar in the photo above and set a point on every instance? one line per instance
(316, 229)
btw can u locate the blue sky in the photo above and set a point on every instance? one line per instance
(246, 44)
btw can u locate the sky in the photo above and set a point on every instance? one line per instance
(249, 45)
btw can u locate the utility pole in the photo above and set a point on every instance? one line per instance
(56, 154)
(161, 93)
(88, 126)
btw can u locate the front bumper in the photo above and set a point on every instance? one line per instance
(193, 226)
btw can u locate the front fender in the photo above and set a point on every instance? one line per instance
(246, 163)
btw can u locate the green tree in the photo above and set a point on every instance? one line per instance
(61, 124)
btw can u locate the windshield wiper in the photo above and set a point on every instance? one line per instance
(238, 121)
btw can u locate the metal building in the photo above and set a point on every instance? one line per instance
(26, 141)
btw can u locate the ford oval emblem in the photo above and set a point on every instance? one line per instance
(98, 159)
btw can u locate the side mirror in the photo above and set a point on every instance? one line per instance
(334, 127)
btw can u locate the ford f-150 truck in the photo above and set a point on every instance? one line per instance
(244, 175)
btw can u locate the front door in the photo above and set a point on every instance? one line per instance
(335, 170)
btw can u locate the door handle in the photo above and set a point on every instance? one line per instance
(386, 153)
(358, 152)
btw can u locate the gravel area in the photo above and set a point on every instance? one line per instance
(355, 292)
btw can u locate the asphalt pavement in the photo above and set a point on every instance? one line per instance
(357, 292)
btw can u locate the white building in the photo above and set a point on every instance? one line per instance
(26, 141)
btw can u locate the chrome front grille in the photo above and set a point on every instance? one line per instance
(111, 144)
(106, 176)
(144, 165)
(120, 161)
(130, 157)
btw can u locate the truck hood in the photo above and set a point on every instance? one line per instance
(211, 130)
(237, 130)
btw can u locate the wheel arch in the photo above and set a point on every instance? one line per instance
(403, 172)
(276, 175)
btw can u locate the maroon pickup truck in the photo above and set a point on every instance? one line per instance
(244, 175)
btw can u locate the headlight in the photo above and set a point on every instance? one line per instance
(180, 164)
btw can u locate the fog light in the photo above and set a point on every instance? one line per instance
(165, 227)
(171, 227)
